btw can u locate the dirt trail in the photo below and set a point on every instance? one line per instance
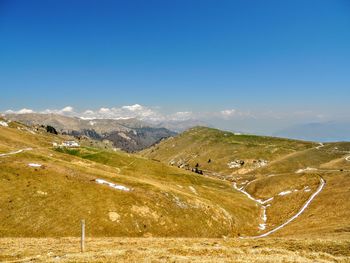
(15, 152)
(320, 146)
(262, 203)
(296, 153)
(302, 209)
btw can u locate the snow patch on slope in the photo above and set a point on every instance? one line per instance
(285, 192)
(112, 185)
(307, 169)
(34, 165)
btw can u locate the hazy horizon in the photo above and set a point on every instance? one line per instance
(258, 68)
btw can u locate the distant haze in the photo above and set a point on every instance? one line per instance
(323, 132)
(327, 131)
(251, 66)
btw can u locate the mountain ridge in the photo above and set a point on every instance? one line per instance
(127, 134)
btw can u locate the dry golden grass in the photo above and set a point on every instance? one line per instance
(168, 204)
(329, 212)
(173, 250)
(200, 144)
(164, 201)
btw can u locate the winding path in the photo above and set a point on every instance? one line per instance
(302, 209)
(320, 146)
(262, 203)
(15, 152)
(249, 195)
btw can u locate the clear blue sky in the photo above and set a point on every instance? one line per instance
(277, 56)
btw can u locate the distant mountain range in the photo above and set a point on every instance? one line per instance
(323, 132)
(133, 134)
(127, 134)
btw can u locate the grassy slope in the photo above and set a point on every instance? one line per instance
(71, 195)
(328, 213)
(200, 144)
(313, 158)
(165, 200)
(174, 250)
(51, 200)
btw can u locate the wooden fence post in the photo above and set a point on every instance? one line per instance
(82, 240)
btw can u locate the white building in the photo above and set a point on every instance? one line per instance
(70, 144)
(3, 123)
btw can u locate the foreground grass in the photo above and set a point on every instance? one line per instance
(174, 250)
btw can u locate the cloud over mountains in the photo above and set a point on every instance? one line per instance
(151, 114)
(256, 122)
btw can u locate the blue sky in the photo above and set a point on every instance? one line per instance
(274, 62)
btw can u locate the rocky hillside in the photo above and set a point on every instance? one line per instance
(127, 134)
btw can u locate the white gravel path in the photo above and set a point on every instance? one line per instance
(320, 146)
(15, 152)
(302, 209)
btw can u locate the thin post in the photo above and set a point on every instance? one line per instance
(82, 240)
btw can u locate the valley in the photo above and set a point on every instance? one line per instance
(256, 195)
(295, 183)
(174, 131)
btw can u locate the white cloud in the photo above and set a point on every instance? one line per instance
(125, 112)
(104, 110)
(151, 114)
(88, 112)
(135, 107)
(47, 111)
(24, 111)
(228, 113)
(141, 112)
(181, 116)
(67, 109)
